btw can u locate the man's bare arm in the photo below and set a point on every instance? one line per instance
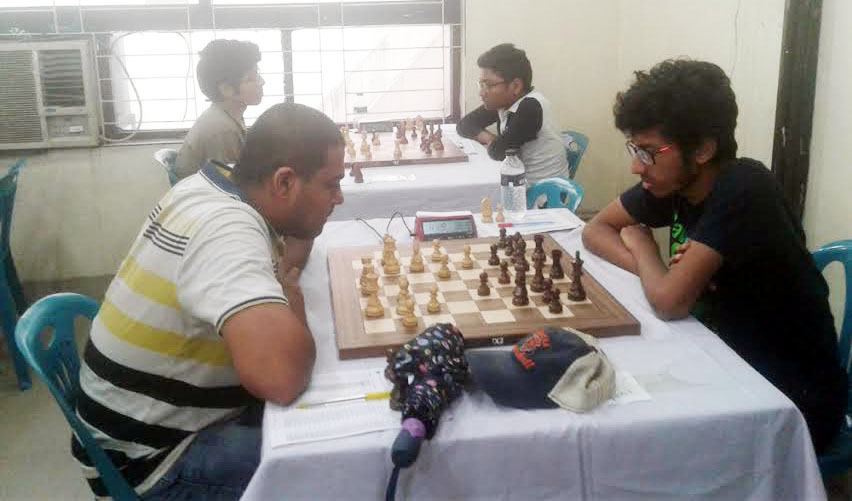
(272, 350)
(671, 291)
(601, 236)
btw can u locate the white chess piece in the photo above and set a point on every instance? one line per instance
(485, 209)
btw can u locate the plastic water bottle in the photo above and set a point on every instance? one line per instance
(513, 185)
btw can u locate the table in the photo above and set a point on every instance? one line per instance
(714, 428)
(436, 187)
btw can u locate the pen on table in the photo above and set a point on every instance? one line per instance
(367, 397)
(520, 225)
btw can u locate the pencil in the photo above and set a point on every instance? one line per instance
(367, 397)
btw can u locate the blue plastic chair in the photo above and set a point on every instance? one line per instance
(575, 146)
(167, 158)
(12, 300)
(560, 192)
(838, 458)
(55, 360)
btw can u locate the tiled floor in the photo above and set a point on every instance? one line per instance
(35, 462)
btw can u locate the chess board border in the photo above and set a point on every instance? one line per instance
(451, 153)
(354, 342)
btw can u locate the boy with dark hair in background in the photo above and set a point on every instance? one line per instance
(227, 74)
(523, 115)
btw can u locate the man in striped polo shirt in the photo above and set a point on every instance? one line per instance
(205, 317)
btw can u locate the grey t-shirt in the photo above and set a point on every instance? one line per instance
(216, 135)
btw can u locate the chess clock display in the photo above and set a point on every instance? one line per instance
(432, 226)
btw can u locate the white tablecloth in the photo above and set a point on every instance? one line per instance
(434, 187)
(714, 428)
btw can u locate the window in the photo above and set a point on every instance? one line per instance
(355, 61)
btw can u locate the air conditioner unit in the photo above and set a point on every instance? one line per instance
(48, 95)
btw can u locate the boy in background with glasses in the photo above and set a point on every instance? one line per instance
(738, 251)
(523, 116)
(227, 74)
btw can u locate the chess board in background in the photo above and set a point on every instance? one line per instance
(382, 155)
(484, 320)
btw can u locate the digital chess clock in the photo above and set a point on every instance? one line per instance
(444, 225)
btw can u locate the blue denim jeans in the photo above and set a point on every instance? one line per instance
(217, 466)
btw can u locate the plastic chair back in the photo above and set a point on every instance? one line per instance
(8, 188)
(838, 458)
(560, 192)
(12, 300)
(167, 158)
(575, 145)
(840, 251)
(57, 363)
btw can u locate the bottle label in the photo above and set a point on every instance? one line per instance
(516, 180)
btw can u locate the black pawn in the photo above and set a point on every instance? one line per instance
(502, 242)
(483, 289)
(510, 248)
(493, 260)
(539, 249)
(537, 282)
(548, 291)
(555, 305)
(519, 295)
(504, 277)
(556, 271)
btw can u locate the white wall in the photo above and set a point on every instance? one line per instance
(828, 207)
(584, 51)
(743, 37)
(78, 210)
(572, 45)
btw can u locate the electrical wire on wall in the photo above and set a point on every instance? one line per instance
(111, 53)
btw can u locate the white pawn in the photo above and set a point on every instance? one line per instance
(416, 259)
(433, 306)
(500, 218)
(436, 251)
(467, 262)
(374, 306)
(403, 297)
(485, 209)
(444, 272)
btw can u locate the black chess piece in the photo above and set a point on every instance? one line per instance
(576, 292)
(520, 246)
(539, 249)
(556, 271)
(555, 305)
(548, 291)
(521, 257)
(519, 294)
(483, 289)
(519, 266)
(493, 260)
(537, 282)
(510, 248)
(502, 242)
(355, 172)
(504, 277)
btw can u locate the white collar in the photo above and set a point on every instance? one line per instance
(511, 109)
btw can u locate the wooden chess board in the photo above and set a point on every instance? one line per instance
(484, 320)
(411, 153)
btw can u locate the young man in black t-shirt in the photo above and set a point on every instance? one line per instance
(743, 268)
